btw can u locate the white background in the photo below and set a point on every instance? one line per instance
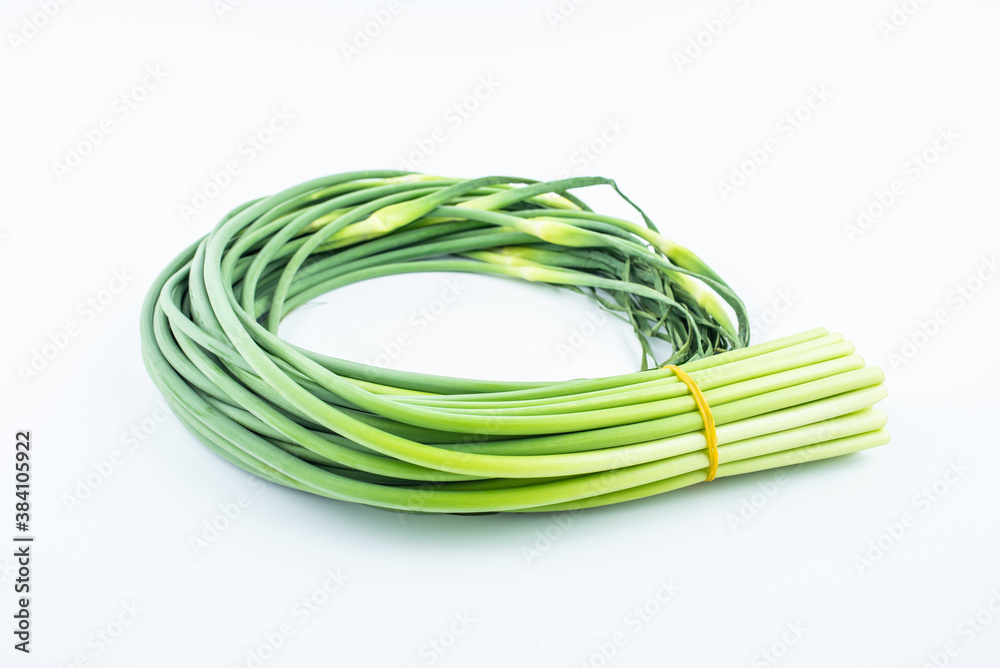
(672, 132)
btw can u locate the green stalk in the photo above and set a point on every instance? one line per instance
(427, 443)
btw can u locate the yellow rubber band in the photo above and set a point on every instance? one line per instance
(706, 417)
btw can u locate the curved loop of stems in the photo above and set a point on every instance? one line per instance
(426, 443)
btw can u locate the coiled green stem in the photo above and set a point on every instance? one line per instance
(425, 443)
